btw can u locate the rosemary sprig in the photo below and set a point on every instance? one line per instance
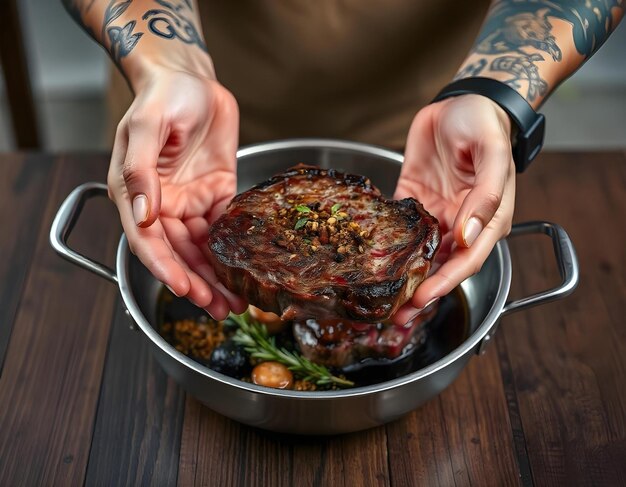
(254, 338)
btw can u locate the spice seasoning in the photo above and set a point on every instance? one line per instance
(311, 227)
(304, 385)
(195, 338)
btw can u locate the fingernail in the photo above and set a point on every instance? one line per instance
(419, 311)
(172, 291)
(140, 209)
(471, 231)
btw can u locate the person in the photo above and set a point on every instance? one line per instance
(363, 70)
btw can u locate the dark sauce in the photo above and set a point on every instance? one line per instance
(443, 333)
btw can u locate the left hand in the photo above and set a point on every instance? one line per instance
(458, 164)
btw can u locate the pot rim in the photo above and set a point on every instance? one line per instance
(468, 346)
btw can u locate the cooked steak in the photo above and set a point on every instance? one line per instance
(317, 243)
(339, 343)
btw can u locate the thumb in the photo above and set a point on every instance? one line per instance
(140, 173)
(493, 163)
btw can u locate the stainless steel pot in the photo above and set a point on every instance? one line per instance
(327, 412)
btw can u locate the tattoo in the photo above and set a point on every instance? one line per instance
(122, 40)
(168, 20)
(113, 11)
(170, 23)
(592, 20)
(472, 69)
(522, 68)
(177, 8)
(516, 29)
(518, 32)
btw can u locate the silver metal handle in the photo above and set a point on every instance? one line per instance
(64, 222)
(565, 258)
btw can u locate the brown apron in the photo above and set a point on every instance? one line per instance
(352, 69)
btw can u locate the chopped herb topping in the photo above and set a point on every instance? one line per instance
(312, 227)
(300, 223)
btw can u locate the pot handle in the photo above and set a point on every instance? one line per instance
(64, 222)
(566, 260)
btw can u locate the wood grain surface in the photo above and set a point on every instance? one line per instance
(53, 366)
(218, 451)
(140, 411)
(461, 437)
(83, 402)
(23, 184)
(568, 358)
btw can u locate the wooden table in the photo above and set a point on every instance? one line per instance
(82, 400)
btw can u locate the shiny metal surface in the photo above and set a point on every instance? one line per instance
(566, 260)
(64, 222)
(325, 412)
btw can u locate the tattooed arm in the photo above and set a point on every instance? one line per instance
(458, 159)
(533, 45)
(142, 34)
(172, 168)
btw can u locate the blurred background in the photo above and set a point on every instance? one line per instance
(69, 76)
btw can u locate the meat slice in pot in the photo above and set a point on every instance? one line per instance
(339, 343)
(317, 243)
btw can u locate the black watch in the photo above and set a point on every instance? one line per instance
(530, 124)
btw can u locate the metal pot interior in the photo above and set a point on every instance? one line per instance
(485, 292)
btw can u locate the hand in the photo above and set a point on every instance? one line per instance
(173, 171)
(459, 165)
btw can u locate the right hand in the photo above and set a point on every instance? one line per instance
(172, 173)
(459, 165)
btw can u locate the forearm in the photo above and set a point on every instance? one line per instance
(144, 35)
(533, 45)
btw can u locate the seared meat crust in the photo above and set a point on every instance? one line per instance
(317, 243)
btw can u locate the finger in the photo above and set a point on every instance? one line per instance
(198, 233)
(115, 182)
(181, 240)
(465, 262)
(139, 169)
(219, 307)
(237, 304)
(200, 292)
(149, 245)
(408, 313)
(234, 303)
(494, 166)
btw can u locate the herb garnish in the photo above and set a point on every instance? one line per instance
(300, 223)
(255, 339)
